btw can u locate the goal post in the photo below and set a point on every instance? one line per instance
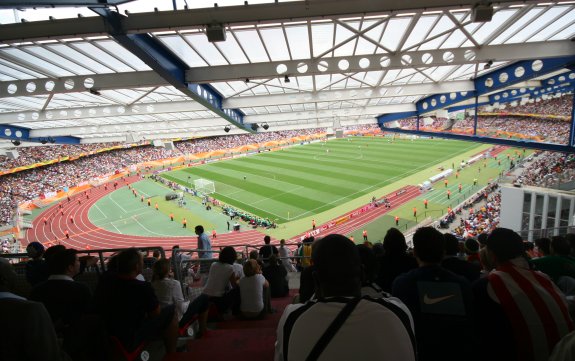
(204, 186)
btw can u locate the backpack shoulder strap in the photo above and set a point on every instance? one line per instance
(335, 325)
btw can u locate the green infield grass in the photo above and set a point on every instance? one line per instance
(303, 181)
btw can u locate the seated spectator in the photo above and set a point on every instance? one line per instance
(487, 263)
(543, 246)
(451, 262)
(559, 262)
(67, 301)
(36, 268)
(28, 332)
(149, 261)
(167, 289)
(370, 329)
(395, 260)
(221, 289)
(130, 308)
(510, 302)
(471, 248)
(276, 275)
(254, 291)
(565, 348)
(439, 300)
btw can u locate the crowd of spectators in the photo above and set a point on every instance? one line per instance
(555, 106)
(548, 169)
(38, 154)
(30, 184)
(546, 129)
(483, 211)
(233, 141)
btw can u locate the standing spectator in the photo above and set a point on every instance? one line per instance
(267, 250)
(204, 243)
(285, 254)
(276, 275)
(511, 301)
(370, 329)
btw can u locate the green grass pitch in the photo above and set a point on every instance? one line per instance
(301, 181)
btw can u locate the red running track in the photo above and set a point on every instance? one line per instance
(85, 235)
(360, 220)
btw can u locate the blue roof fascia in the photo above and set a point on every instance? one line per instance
(475, 138)
(12, 132)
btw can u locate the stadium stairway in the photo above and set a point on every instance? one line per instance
(238, 340)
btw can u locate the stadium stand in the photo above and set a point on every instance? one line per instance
(78, 82)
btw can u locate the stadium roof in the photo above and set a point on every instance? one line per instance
(130, 71)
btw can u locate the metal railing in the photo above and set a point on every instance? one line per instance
(532, 234)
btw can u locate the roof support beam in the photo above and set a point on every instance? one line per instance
(347, 94)
(169, 67)
(75, 84)
(246, 14)
(23, 135)
(330, 113)
(506, 52)
(185, 125)
(99, 112)
(53, 3)
(501, 78)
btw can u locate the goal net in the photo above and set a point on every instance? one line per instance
(204, 186)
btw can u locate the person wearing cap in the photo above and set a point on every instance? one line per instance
(36, 268)
(471, 247)
(519, 312)
(452, 262)
(28, 333)
(372, 329)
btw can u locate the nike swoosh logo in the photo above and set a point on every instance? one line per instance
(431, 301)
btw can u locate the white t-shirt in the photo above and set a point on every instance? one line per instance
(375, 330)
(218, 279)
(251, 291)
(238, 270)
(169, 291)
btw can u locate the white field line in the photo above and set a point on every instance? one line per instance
(375, 185)
(99, 210)
(118, 204)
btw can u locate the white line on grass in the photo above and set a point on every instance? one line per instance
(118, 204)
(99, 210)
(277, 195)
(373, 186)
(113, 225)
(152, 232)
